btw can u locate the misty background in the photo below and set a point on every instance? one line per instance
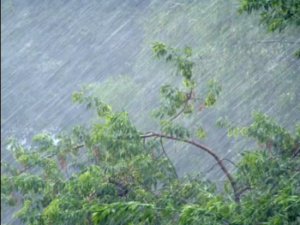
(51, 48)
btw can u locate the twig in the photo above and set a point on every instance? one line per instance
(211, 168)
(217, 164)
(243, 190)
(231, 162)
(188, 98)
(159, 155)
(162, 146)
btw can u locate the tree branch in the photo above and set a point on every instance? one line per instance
(228, 160)
(206, 149)
(188, 98)
(222, 160)
(163, 149)
(243, 190)
(211, 168)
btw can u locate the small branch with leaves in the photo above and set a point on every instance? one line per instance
(188, 98)
(47, 157)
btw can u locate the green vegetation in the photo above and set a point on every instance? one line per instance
(124, 167)
(229, 49)
(125, 176)
(276, 14)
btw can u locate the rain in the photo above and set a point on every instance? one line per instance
(52, 48)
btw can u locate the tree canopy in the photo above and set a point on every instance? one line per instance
(120, 168)
(114, 173)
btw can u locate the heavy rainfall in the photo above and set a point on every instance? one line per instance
(193, 112)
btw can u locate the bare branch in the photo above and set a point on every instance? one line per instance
(162, 146)
(211, 168)
(248, 187)
(217, 164)
(230, 162)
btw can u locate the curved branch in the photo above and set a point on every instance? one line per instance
(206, 149)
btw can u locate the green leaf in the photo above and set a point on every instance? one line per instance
(200, 133)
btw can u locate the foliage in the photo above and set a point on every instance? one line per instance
(276, 14)
(229, 48)
(112, 173)
(255, 69)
